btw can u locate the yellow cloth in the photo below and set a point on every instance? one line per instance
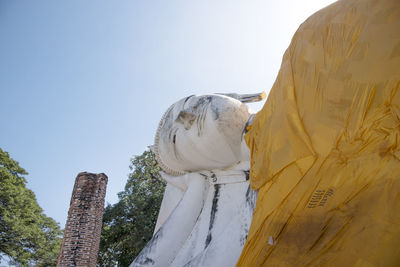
(325, 148)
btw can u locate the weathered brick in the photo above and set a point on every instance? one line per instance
(82, 231)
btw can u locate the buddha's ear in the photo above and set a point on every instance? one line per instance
(246, 98)
(186, 118)
(177, 181)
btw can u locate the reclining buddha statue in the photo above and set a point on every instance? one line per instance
(207, 207)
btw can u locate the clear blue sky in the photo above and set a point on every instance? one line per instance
(83, 84)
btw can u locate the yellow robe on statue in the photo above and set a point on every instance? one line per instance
(325, 148)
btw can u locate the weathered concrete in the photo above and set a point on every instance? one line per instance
(208, 205)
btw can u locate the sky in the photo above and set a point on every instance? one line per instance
(83, 84)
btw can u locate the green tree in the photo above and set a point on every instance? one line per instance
(27, 235)
(129, 224)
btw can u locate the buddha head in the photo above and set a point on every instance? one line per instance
(203, 132)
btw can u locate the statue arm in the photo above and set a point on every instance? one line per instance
(165, 244)
(172, 196)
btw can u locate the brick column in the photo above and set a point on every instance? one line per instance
(82, 231)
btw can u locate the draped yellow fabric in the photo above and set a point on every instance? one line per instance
(325, 148)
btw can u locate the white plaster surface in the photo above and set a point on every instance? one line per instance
(202, 133)
(207, 207)
(218, 237)
(209, 225)
(172, 196)
(169, 239)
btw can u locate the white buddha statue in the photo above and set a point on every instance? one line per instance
(207, 206)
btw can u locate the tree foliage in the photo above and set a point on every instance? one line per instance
(27, 235)
(129, 224)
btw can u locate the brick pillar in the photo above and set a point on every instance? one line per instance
(82, 231)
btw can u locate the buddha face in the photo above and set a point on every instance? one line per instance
(201, 133)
